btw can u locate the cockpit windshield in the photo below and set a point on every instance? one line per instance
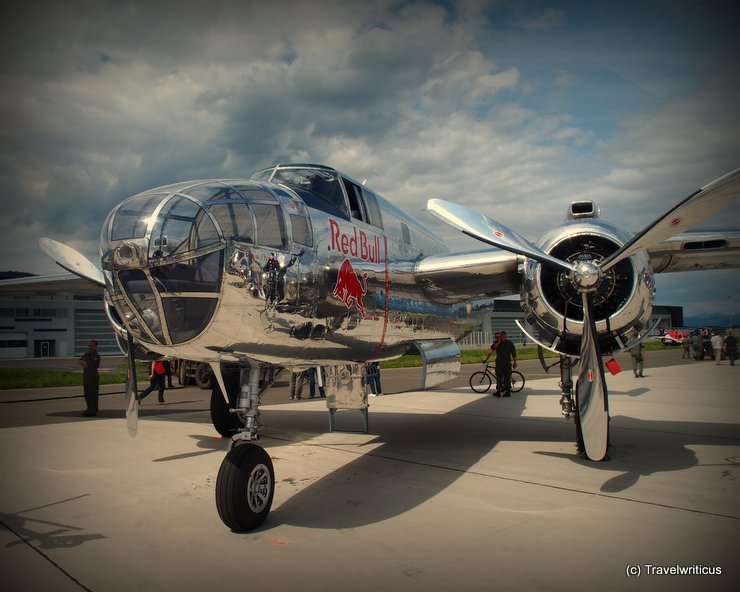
(312, 183)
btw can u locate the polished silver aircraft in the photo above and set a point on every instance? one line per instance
(303, 266)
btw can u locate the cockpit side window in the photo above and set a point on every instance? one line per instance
(270, 226)
(372, 208)
(356, 205)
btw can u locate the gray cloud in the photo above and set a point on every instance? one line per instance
(506, 108)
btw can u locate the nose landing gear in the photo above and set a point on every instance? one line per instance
(245, 485)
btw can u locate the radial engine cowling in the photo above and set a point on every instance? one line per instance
(623, 296)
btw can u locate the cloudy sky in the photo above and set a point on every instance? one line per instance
(512, 108)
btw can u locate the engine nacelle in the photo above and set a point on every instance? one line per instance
(623, 297)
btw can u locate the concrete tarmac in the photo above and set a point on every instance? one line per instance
(450, 490)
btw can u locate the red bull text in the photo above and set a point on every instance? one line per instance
(357, 244)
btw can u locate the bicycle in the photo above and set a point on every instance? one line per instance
(481, 380)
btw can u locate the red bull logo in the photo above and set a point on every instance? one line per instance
(348, 288)
(357, 244)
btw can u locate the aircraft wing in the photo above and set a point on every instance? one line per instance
(66, 283)
(697, 250)
(470, 275)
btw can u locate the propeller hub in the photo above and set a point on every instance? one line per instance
(586, 276)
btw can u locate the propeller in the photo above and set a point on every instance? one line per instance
(132, 394)
(686, 214)
(591, 391)
(71, 260)
(591, 394)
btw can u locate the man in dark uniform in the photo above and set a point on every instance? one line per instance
(90, 362)
(505, 358)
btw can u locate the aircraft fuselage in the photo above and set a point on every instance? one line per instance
(222, 270)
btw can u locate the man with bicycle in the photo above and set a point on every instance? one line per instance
(505, 359)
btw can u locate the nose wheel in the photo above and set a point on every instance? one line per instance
(245, 487)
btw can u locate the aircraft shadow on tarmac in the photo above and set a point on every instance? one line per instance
(207, 444)
(54, 539)
(426, 456)
(153, 410)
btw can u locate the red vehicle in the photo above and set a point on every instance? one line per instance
(673, 337)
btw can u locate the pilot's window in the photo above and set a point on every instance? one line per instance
(319, 184)
(270, 226)
(235, 221)
(354, 193)
(372, 208)
(405, 234)
(132, 218)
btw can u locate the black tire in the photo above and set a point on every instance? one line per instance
(245, 487)
(225, 422)
(517, 381)
(480, 381)
(204, 376)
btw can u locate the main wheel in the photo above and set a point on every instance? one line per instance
(245, 487)
(480, 381)
(225, 422)
(182, 373)
(204, 376)
(517, 381)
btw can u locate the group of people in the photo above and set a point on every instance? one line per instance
(726, 346)
(299, 379)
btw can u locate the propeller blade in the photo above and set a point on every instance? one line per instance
(697, 207)
(71, 260)
(591, 394)
(132, 394)
(489, 231)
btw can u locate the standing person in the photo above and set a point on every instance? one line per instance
(168, 372)
(686, 344)
(505, 360)
(637, 355)
(90, 362)
(717, 347)
(373, 379)
(156, 380)
(297, 380)
(696, 343)
(731, 347)
(313, 378)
